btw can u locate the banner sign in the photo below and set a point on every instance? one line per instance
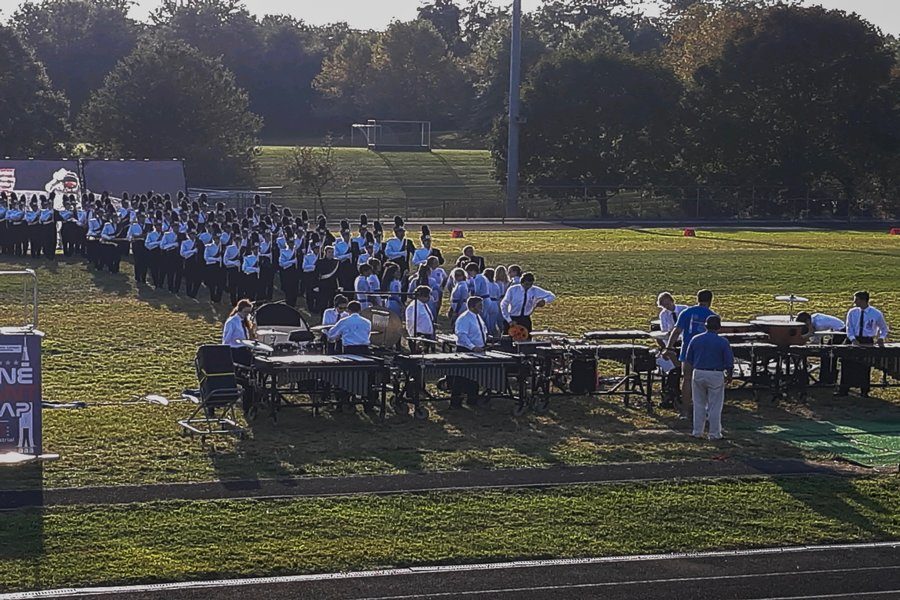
(40, 176)
(20, 393)
(134, 176)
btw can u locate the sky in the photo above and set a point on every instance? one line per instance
(375, 14)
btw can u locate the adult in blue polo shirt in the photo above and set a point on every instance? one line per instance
(691, 322)
(712, 365)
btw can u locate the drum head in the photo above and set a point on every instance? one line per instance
(387, 327)
(519, 333)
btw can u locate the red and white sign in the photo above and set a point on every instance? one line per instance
(7, 180)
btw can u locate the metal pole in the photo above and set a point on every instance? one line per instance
(512, 154)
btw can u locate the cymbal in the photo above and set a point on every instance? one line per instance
(269, 332)
(791, 298)
(422, 340)
(320, 328)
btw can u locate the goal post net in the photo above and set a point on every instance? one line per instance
(393, 136)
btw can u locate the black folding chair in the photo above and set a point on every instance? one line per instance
(214, 414)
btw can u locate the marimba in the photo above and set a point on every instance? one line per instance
(320, 377)
(883, 358)
(572, 369)
(491, 370)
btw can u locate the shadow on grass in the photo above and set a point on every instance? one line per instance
(22, 536)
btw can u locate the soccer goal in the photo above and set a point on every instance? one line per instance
(393, 136)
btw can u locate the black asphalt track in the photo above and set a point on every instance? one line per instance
(837, 572)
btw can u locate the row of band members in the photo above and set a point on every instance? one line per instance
(863, 325)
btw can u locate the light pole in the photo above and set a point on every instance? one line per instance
(515, 80)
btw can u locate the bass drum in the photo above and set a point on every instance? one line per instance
(387, 327)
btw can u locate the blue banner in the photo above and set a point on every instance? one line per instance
(20, 393)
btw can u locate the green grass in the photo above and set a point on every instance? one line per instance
(108, 342)
(180, 540)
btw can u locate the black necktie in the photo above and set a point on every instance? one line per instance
(481, 329)
(524, 302)
(862, 322)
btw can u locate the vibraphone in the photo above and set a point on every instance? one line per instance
(885, 359)
(759, 365)
(320, 377)
(572, 369)
(490, 370)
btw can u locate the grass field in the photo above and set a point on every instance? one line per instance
(164, 541)
(108, 342)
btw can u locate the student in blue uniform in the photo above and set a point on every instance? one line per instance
(691, 322)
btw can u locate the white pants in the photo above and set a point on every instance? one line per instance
(708, 391)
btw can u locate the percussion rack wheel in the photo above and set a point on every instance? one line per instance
(421, 413)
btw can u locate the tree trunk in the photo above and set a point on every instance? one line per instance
(604, 204)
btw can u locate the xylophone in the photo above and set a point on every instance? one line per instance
(274, 378)
(572, 369)
(490, 370)
(883, 358)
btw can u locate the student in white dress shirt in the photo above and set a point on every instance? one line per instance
(522, 299)
(353, 331)
(817, 322)
(471, 336)
(668, 311)
(331, 316)
(865, 326)
(420, 319)
(239, 327)
(668, 316)
(361, 285)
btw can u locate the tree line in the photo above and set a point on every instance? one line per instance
(710, 92)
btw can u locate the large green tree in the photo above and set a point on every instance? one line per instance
(78, 41)
(168, 100)
(33, 121)
(797, 96)
(605, 120)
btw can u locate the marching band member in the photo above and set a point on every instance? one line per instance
(437, 280)
(238, 327)
(361, 286)
(515, 274)
(5, 247)
(391, 283)
(459, 295)
(213, 270)
(135, 236)
(691, 322)
(397, 248)
(469, 253)
(362, 238)
(522, 299)
(353, 331)
(154, 253)
(231, 261)
(309, 276)
(68, 230)
(668, 316)
(419, 318)
(290, 273)
(375, 282)
(33, 230)
(190, 266)
(337, 312)
(421, 255)
(817, 322)
(250, 272)
(171, 259)
(668, 311)
(266, 266)
(343, 253)
(47, 220)
(471, 336)
(491, 302)
(865, 326)
(15, 221)
(367, 250)
(326, 271)
(109, 248)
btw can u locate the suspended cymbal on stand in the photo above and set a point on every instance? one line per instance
(791, 299)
